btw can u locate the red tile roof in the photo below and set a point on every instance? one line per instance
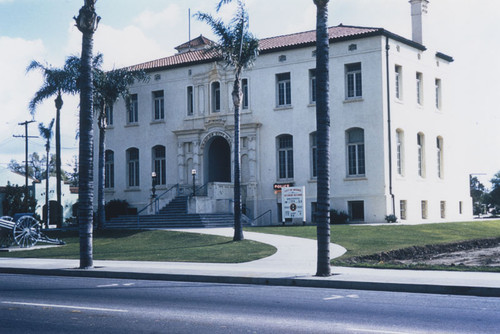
(266, 45)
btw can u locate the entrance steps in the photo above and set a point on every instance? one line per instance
(173, 215)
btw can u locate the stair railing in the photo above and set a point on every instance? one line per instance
(270, 212)
(156, 202)
(201, 190)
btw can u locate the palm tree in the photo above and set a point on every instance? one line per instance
(323, 137)
(87, 22)
(46, 133)
(108, 87)
(239, 49)
(56, 82)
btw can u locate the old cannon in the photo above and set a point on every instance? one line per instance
(24, 231)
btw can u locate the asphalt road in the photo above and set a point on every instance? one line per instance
(45, 304)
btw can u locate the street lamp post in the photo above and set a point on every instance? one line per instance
(153, 189)
(193, 172)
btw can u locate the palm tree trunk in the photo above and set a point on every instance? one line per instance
(323, 138)
(238, 230)
(47, 202)
(86, 22)
(59, 104)
(100, 180)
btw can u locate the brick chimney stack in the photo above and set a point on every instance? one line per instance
(418, 19)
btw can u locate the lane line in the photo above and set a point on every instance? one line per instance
(66, 306)
(376, 331)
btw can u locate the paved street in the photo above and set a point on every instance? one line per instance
(45, 304)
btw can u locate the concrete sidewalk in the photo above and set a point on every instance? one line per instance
(294, 264)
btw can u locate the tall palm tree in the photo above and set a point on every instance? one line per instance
(323, 137)
(57, 81)
(87, 22)
(108, 87)
(46, 133)
(239, 49)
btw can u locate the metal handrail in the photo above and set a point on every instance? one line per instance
(156, 201)
(199, 188)
(261, 215)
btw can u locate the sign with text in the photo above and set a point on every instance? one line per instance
(293, 201)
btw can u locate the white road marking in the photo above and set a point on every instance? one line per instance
(66, 306)
(333, 297)
(107, 285)
(128, 284)
(364, 330)
(352, 296)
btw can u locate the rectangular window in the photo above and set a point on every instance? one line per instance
(443, 209)
(398, 82)
(109, 115)
(190, 101)
(215, 96)
(353, 81)
(439, 152)
(423, 206)
(312, 86)
(314, 155)
(460, 207)
(285, 157)
(109, 169)
(133, 109)
(420, 155)
(356, 210)
(420, 83)
(283, 90)
(438, 93)
(402, 209)
(158, 105)
(244, 91)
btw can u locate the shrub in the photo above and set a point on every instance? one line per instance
(115, 208)
(391, 218)
(338, 217)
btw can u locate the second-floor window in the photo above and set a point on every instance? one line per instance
(190, 101)
(353, 81)
(133, 109)
(283, 90)
(398, 81)
(215, 96)
(420, 91)
(312, 86)
(158, 105)
(109, 115)
(356, 152)
(244, 91)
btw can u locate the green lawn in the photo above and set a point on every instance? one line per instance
(366, 240)
(154, 246)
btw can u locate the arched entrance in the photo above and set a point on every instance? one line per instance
(218, 160)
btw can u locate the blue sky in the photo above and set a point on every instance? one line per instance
(134, 31)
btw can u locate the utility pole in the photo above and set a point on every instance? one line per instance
(26, 191)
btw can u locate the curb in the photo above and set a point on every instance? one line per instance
(271, 281)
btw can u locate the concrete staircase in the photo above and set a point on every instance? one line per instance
(173, 215)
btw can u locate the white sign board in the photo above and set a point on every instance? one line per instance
(293, 201)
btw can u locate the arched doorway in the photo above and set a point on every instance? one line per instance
(219, 160)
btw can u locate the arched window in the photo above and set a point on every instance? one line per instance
(439, 152)
(159, 164)
(109, 169)
(355, 152)
(400, 152)
(285, 156)
(133, 167)
(421, 154)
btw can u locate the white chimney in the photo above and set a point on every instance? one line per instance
(418, 19)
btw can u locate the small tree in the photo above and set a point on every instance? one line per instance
(46, 133)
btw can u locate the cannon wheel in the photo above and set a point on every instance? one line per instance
(26, 231)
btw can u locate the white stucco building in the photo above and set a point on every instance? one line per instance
(391, 141)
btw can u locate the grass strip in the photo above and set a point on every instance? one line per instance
(159, 245)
